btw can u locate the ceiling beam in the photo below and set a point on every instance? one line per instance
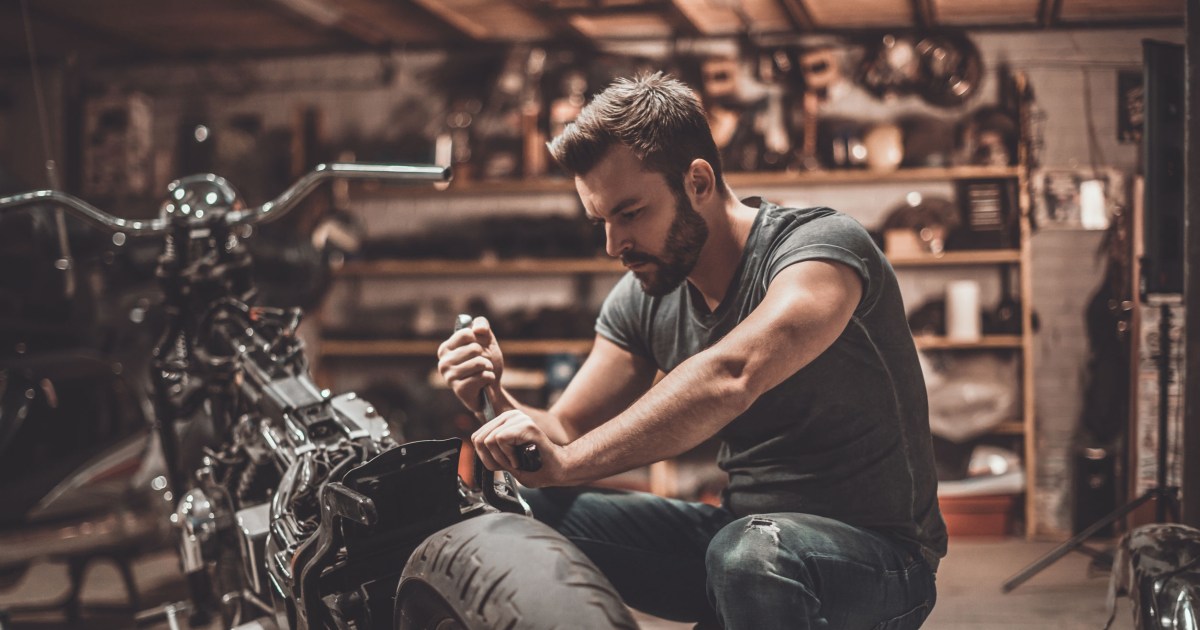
(119, 40)
(440, 19)
(923, 14)
(326, 15)
(798, 15)
(555, 18)
(472, 30)
(679, 20)
(668, 10)
(1049, 13)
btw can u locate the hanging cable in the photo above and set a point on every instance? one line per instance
(64, 262)
(1094, 149)
(39, 96)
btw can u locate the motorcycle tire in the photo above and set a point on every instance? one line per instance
(504, 571)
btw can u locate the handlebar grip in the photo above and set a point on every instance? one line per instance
(529, 458)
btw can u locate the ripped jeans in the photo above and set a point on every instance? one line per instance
(693, 562)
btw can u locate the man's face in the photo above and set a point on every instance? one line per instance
(653, 230)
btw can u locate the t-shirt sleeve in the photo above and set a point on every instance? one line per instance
(834, 237)
(620, 319)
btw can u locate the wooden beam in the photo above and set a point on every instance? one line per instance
(440, 19)
(798, 14)
(679, 20)
(118, 40)
(456, 21)
(669, 11)
(924, 16)
(1049, 13)
(555, 18)
(325, 15)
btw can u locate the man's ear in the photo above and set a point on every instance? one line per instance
(700, 181)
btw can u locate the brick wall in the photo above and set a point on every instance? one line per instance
(1065, 268)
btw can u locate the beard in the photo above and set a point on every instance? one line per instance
(685, 239)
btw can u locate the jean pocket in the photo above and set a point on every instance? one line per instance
(910, 620)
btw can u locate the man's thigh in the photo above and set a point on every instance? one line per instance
(768, 568)
(652, 549)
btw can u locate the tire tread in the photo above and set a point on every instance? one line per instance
(508, 571)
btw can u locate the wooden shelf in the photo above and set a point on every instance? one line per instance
(972, 257)
(539, 185)
(534, 347)
(554, 266)
(1012, 427)
(547, 185)
(989, 342)
(853, 176)
(428, 347)
(515, 267)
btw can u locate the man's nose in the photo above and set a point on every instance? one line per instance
(616, 241)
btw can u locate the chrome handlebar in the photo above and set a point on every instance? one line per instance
(266, 212)
(279, 206)
(85, 210)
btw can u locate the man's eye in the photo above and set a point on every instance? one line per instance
(631, 214)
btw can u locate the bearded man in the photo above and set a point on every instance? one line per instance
(781, 332)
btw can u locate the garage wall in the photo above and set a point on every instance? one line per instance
(371, 97)
(1066, 269)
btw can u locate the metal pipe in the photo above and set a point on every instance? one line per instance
(279, 206)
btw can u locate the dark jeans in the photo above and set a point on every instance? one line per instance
(693, 562)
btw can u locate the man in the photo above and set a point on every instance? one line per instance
(782, 333)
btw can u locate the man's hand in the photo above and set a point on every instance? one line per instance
(469, 361)
(496, 444)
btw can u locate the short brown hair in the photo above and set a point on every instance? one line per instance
(655, 116)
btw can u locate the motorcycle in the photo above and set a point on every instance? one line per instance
(297, 508)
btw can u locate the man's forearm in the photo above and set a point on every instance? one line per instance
(550, 424)
(688, 406)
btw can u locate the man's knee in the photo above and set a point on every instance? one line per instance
(743, 551)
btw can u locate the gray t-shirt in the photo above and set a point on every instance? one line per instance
(847, 436)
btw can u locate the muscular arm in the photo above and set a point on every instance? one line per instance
(609, 381)
(806, 308)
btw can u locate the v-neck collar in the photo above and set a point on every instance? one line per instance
(696, 304)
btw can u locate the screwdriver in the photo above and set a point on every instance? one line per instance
(529, 458)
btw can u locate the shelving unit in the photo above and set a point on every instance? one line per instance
(428, 347)
(559, 266)
(537, 347)
(515, 267)
(1021, 428)
(751, 180)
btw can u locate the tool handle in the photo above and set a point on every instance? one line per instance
(528, 457)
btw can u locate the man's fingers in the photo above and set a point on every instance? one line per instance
(460, 354)
(457, 340)
(485, 456)
(482, 330)
(483, 448)
(498, 439)
(498, 448)
(467, 369)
